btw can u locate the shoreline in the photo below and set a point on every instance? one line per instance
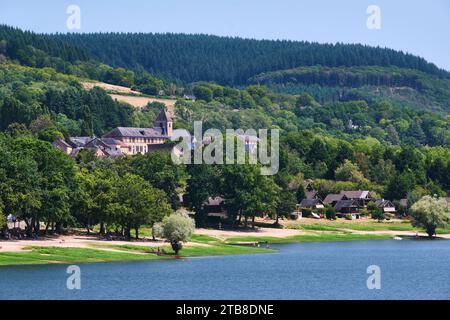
(205, 242)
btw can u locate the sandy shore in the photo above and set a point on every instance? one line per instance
(76, 242)
(283, 233)
(259, 232)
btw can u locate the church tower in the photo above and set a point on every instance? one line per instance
(165, 122)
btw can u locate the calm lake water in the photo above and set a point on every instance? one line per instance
(409, 270)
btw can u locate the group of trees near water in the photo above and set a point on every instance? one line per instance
(247, 194)
(40, 184)
(394, 172)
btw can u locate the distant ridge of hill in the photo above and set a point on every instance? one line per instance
(329, 72)
(227, 60)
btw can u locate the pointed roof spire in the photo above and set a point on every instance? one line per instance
(164, 115)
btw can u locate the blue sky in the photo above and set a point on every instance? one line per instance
(416, 26)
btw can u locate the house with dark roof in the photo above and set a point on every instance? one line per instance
(215, 207)
(98, 146)
(139, 140)
(79, 142)
(311, 195)
(332, 199)
(363, 197)
(62, 145)
(385, 205)
(308, 186)
(123, 140)
(345, 207)
(311, 204)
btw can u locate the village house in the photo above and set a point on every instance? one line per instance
(312, 195)
(363, 197)
(100, 147)
(250, 141)
(214, 207)
(140, 140)
(189, 97)
(331, 199)
(123, 140)
(64, 146)
(345, 207)
(348, 202)
(308, 186)
(311, 204)
(386, 205)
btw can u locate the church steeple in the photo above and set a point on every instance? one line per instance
(165, 122)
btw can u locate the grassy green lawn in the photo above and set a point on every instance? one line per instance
(128, 252)
(215, 249)
(364, 226)
(360, 226)
(47, 255)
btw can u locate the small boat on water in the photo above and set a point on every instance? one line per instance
(397, 238)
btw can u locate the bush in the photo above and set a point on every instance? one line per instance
(430, 213)
(330, 213)
(348, 216)
(50, 134)
(202, 92)
(176, 228)
(378, 214)
(3, 225)
(306, 212)
(2, 221)
(371, 206)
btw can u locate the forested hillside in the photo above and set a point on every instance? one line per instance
(230, 61)
(41, 51)
(404, 86)
(328, 72)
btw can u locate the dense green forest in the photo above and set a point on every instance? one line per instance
(40, 51)
(403, 86)
(230, 61)
(359, 140)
